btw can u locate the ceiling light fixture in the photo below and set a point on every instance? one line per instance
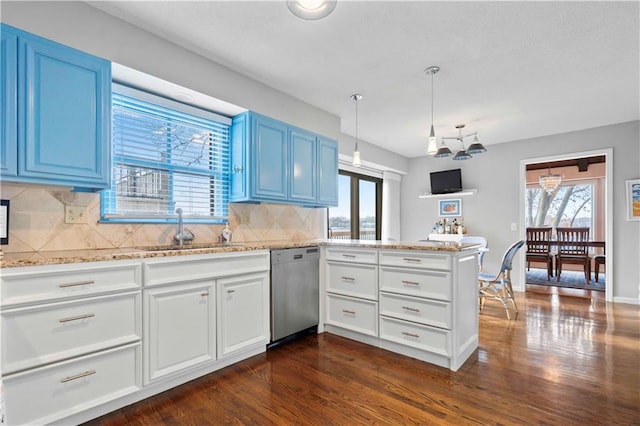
(311, 9)
(356, 153)
(550, 182)
(432, 148)
(463, 154)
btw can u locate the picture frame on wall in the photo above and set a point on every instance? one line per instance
(450, 208)
(4, 222)
(633, 199)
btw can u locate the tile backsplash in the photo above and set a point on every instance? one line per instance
(37, 223)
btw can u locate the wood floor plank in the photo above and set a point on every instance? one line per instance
(562, 361)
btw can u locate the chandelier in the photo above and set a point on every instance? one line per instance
(463, 154)
(550, 182)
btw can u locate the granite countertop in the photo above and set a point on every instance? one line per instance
(11, 260)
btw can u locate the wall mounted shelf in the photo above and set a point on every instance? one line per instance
(451, 195)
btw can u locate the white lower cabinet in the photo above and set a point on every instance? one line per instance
(46, 394)
(179, 328)
(243, 312)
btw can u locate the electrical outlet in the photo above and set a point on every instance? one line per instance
(244, 218)
(75, 214)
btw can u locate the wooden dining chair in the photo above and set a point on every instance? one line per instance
(599, 260)
(571, 253)
(539, 248)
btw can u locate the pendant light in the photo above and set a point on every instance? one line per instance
(463, 154)
(432, 148)
(550, 182)
(356, 153)
(311, 10)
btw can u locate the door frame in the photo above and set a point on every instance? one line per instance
(608, 153)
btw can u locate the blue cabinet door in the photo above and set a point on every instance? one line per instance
(302, 168)
(269, 159)
(238, 176)
(9, 99)
(64, 114)
(327, 172)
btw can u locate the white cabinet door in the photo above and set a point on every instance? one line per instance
(179, 328)
(243, 312)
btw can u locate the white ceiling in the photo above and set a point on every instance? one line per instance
(509, 70)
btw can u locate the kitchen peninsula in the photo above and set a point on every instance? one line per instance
(101, 329)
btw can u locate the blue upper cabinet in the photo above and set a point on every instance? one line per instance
(327, 172)
(8, 92)
(274, 162)
(63, 114)
(303, 176)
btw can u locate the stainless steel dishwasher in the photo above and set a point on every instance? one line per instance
(294, 292)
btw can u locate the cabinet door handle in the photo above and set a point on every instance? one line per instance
(78, 376)
(76, 318)
(407, 308)
(231, 291)
(408, 259)
(204, 294)
(348, 312)
(410, 334)
(348, 279)
(350, 256)
(77, 283)
(410, 282)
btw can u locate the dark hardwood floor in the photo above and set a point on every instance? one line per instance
(562, 361)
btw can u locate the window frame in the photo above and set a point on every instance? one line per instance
(218, 174)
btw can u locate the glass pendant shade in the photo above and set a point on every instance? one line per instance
(433, 144)
(356, 158)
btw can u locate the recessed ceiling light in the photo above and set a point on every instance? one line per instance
(311, 9)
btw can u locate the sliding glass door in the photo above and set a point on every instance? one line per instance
(359, 211)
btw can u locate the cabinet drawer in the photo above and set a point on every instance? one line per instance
(431, 284)
(424, 311)
(415, 259)
(171, 270)
(431, 339)
(47, 333)
(352, 255)
(58, 282)
(353, 280)
(49, 393)
(353, 314)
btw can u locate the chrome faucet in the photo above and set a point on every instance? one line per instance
(183, 234)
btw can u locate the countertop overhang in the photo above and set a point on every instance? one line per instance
(17, 259)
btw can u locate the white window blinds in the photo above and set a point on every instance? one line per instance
(165, 158)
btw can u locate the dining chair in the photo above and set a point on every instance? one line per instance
(573, 254)
(539, 248)
(482, 242)
(498, 286)
(599, 259)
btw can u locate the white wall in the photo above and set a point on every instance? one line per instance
(495, 207)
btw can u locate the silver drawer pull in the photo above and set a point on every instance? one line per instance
(79, 317)
(204, 294)
(406, 308)
(408, 259)
(231, 291)
(348, 312)
(77, 283)
(350, 256)
(410, 282)
(78, 376)
(348, 279)
(410, 334)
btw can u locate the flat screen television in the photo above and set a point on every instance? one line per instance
(446, 181)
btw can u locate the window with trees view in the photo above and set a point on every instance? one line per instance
(571, 205)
